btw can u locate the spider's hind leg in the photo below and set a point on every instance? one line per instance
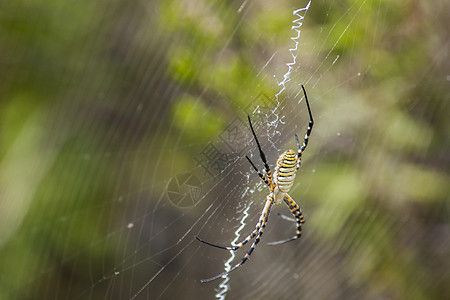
(233, 248)
(298, 214)
(261, 224)
(260, 229)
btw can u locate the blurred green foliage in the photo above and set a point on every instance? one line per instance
(95, 98)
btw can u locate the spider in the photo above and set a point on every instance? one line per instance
(279, 185)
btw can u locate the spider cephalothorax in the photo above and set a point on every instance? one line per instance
(286, 168)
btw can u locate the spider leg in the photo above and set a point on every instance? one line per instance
(298, 214)
(308, 132)
(261, 153)
(266, 181)
(260, 229)
(238, 246)
(248, 238)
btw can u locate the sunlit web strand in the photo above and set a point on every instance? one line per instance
(300, 13)
(337, 41)
(224, 286)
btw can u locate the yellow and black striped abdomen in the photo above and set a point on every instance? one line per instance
(285, 170)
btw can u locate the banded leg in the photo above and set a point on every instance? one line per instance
(263, 219)
(308, 132)
(249, 237)
(238, 246)
(298, 214)
(263, 156)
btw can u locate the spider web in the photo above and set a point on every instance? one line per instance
(125, 133)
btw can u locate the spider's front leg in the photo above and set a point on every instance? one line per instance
(268, 181)
(307, 134)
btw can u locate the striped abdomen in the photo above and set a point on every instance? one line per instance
(285, 170)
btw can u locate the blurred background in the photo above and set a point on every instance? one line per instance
(123, 133)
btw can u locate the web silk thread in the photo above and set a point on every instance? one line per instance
(300, 13)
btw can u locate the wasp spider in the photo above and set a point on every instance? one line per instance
(279, 185)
